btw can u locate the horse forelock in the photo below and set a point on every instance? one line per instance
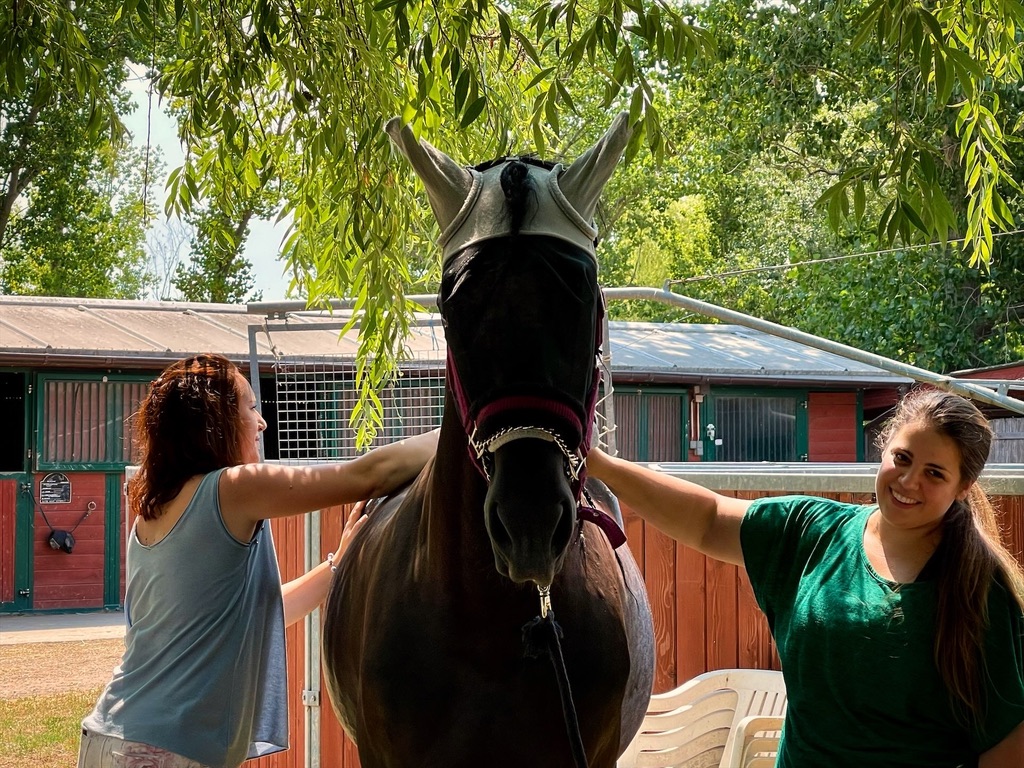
(519, 194)
(516, 196)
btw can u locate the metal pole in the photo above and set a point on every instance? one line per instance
(272, 308)
(312, 695)
(948, 383)
(254, 377)
(608, 404)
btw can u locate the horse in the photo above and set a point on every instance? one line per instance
(423, 638)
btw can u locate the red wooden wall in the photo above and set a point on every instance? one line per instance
(289, 538)
(336, 750)
(76, 580)
(704, 616)
(833, 426)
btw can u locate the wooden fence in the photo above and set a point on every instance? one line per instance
(705, 616)
(1009, 443)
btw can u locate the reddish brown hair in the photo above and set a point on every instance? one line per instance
(189, 424)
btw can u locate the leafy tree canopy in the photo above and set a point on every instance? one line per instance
(72, 195)
(290, 97)
(81, 230)
(765, 131)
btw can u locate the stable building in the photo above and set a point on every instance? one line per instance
(73, 371)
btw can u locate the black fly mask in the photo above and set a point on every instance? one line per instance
(523, 314)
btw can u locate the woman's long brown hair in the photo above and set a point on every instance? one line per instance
(188, 424)
(971, 554)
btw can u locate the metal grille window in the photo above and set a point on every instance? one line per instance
(86, 423)
(315, 402)
(650, 424)
(758, 428)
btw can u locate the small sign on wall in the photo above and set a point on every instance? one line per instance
(55, 488)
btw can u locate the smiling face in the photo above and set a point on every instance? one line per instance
(250, 421)
(919, 478)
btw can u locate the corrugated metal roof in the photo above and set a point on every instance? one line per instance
(131, 334)
(731, 351)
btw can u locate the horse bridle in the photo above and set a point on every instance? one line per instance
(481, 451)
(484, 451)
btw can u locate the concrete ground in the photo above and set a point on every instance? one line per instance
(58, 627)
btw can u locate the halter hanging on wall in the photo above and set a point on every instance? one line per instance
(60, 539)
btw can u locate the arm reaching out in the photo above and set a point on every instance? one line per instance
(689, 513)
(305, 593)
(253, 492)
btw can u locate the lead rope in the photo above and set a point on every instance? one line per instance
(543, 634)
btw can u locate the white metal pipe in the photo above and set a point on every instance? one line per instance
(958, 386)
(312, 694)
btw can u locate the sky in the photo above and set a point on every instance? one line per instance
(264, 237)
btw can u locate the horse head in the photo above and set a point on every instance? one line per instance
(522, 312)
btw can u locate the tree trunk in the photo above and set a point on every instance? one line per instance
(18, 177)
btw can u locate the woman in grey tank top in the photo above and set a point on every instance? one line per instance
(202, 683)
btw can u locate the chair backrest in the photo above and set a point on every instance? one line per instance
(752, 740)
(689, 726)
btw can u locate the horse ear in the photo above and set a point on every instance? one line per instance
(448, 184)
(583, 181)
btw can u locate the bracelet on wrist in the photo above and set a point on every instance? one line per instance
(330, 562)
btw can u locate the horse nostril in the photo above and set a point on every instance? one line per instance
(563, 529)
(500, 536)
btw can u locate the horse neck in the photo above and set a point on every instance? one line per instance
(453, 509)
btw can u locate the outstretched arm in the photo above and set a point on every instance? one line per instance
(253, 492)
(305, 593)
(690, 514)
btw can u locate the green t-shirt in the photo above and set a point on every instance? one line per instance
(857, 651)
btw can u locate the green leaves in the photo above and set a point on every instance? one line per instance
(963, 55)
(280, 108)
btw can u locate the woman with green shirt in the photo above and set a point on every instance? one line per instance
(900, 625)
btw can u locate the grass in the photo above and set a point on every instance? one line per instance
(43, 731)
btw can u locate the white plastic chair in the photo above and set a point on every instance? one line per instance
(753, 742)
(689, 726)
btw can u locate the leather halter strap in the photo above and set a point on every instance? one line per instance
(481, 452)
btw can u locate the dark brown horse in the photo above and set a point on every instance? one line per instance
(423, 639)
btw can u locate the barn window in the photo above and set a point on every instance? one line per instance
(315, 402)
(757, 426)
(86, 422)
(650, 423)
(12, 414)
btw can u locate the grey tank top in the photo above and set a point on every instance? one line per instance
(204, 670)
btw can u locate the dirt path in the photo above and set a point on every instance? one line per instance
(40, 669)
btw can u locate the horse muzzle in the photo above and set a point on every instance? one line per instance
(529, 511)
